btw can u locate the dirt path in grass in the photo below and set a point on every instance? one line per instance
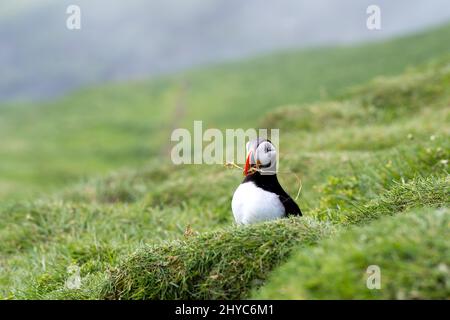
(177, 117)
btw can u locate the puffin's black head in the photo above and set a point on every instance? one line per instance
(261, 154)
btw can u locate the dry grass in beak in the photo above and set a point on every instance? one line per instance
(233, 165)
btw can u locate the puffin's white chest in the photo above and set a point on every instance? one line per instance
(251, 204)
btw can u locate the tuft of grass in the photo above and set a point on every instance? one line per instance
(419, 192)
(423, 164)
(219, 265)
(411, 250)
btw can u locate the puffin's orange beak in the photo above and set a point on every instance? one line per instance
(247, 164)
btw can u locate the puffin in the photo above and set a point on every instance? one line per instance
(260, 196)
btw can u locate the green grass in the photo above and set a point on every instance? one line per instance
(95, 131)
(220, 265)
(364, 148)
(411, 251)
(226, 264)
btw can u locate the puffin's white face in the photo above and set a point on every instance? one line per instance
(261, 154)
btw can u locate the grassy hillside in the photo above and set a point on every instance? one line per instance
(94, 131)
(344, 184)
(372, 157)
(410, 250)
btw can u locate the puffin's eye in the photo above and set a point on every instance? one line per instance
(268, 148)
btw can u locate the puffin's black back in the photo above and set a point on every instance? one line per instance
(270, 183)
